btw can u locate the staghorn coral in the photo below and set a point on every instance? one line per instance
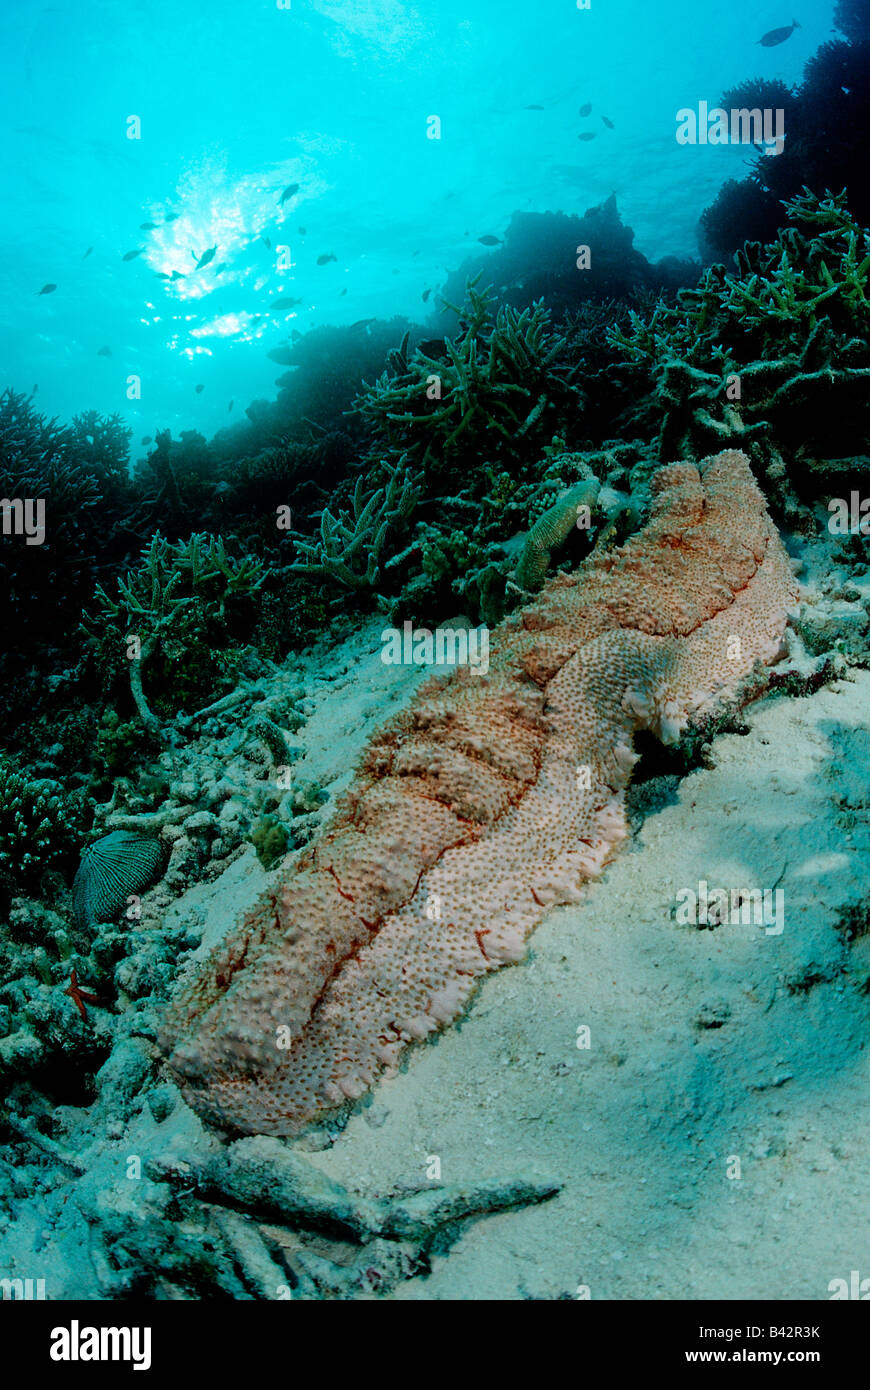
(349, 550)
(494, 391)
(176, 603)
(772, 358)
(487, 801)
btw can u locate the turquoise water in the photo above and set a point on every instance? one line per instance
(238, 101)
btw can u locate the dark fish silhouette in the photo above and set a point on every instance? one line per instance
(87, 253)
(131, 255)
(146, 439)
(171, 217)
(148, 226)
(219, 268)
(266, 242)
(177, 275)
(35, 388)
(586, 108)
(344, 291)
(608, 123)
(284, 303)
(288, 192)
(302, 231)
(162, 274)
(426, 294)
(489, 240)
(104, 352)
(534, 107)
(47, 289)
(200, 388)
(587, 135)
(775, 36)
(229, 407)
(326, 258)
(361, 323)
(204, 259)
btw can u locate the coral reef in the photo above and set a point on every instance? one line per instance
(175, 604)
(487, 801)
(774, 358)
(350, 548)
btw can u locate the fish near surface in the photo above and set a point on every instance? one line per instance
(465, 822)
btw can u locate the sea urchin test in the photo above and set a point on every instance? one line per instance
(487, 801)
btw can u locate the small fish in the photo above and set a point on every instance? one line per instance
(47, 289)
(148, 226)
(344, 291)
(171, 217)
(302, 231)
(161, 274)
(35, 388)
(219, 268)
(146, 439)
(534, 107)
(425, 295)
(361, 323)
(87, 253)
(131, 255)
(587, 135)
(200, 388)
(326, 258)
(289, 191)
(229, 407)
(284, 303)
(104, 352)
(206, 256)
(177, 275)
(489, 240)
(586, 108)
(266, 242)
(775, 36)
(608, 123)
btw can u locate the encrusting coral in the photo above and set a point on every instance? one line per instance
(491, 798)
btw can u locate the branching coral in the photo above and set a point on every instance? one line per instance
(496, 390)
(170, 603)
(350, 548)
(768, 352)
(35, 826)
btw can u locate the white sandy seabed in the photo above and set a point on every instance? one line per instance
(711, 1140)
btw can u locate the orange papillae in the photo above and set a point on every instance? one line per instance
(469, 816)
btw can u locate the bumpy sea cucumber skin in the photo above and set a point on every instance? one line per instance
(472, 813)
